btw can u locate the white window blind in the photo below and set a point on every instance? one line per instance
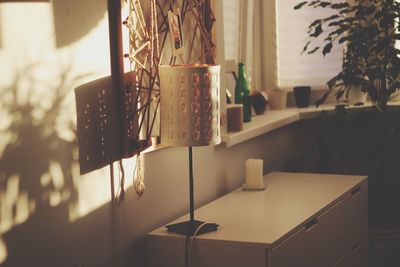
(295, 68)
(231, 28)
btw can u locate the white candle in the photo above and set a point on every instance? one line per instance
(254, 174)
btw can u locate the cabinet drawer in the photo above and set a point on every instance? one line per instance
(356, 257)
(347, 225)
(163, 253)
(217, 255)
(325, 239)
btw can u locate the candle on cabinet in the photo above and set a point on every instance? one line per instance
(254, 174)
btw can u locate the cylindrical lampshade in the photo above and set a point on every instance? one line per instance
(190, 110)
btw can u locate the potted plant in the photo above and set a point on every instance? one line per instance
(368, 29)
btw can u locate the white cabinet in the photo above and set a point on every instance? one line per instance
(301, 219)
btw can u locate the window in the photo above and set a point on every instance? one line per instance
(278, 33)
(231, 28)
(295, 68)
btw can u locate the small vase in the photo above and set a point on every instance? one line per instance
(277, 99)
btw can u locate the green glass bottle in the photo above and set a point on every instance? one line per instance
(242, 93)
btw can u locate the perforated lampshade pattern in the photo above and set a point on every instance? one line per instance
(190, 108)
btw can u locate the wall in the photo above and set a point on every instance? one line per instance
(49, 214)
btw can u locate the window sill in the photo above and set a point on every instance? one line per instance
(260, 124)
(275, 119)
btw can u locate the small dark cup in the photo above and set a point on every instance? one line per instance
(302, 96)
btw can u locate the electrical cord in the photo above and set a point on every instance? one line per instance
(189, 259)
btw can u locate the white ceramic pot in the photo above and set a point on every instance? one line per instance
(356, 96)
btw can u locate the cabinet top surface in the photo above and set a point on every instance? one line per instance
(264, 217)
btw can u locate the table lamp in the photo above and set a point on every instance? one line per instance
(190, 116)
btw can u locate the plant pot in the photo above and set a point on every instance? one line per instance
(356, 96)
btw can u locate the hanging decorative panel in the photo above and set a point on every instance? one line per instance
(117, 121)
(99, 134)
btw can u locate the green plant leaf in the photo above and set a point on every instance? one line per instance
(369, 29)
(305, 48)
(317, 31)
(315, 23)
(340, 22)
(324, 4)
(299, 5)
(315, 49)
(327, 48)
(340, 6)
(331, 18)
(345, 38)
(314, 3)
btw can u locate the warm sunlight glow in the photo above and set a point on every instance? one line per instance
(22, 208)
(27, 39)
(37, 114)
(15, 207)
(56, 174)
(125, 37)
(12, 190)
(55, 198)
(3, 251)
(94, 196)
(45, 180)
(397, 22)
(6, 203)
(21, 34)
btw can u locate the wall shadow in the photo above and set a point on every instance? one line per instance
(98, 239)
(36, 163)
(73, 19)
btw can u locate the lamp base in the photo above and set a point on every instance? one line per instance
(188, 228)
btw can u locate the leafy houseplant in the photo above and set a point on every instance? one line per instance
(369, 29)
